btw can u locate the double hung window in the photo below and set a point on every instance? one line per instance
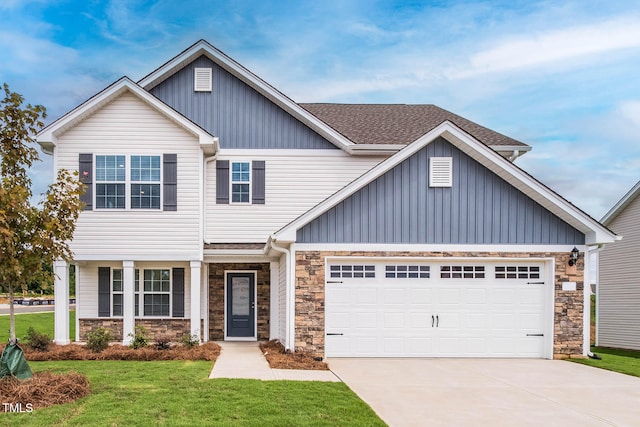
(145, 182)
(134, 184)
(110, 182)
(240, 182)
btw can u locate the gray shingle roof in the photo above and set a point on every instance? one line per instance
(397, 123)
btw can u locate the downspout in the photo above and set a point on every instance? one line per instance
(207, 160)
(288, 285)
(593, 249)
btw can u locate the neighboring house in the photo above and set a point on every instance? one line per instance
(618, 293)
(219, 207)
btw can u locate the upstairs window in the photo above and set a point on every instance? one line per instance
(110, 182)
(145, 182)
(240, 182)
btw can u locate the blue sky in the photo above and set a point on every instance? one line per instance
(561, 76)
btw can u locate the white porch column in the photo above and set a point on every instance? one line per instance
(128, 303)
(195, 297)
(61, 297)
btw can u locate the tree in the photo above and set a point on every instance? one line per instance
(31, 236)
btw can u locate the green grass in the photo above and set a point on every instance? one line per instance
(41, 322)
(623, 361)
(179, 393)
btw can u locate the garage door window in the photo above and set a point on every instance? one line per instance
(518, 272)
(407, 272)
(356, 271)
(462, 272)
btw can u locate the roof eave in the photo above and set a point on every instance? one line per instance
(621, 204)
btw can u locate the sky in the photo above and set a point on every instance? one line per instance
(560, 76)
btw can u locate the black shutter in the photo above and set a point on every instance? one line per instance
(104, 292)
(85, 169)
(258, 184)
(170, 182)
(222, 182)
(178, 292)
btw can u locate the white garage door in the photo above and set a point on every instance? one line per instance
(436, 309)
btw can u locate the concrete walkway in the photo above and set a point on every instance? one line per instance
(492, 392)
(245, 360)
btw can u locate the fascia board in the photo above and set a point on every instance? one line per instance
(621, 204)
(50, 133)
(594, 231)
(204, 48)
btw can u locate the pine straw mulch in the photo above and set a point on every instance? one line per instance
(207, 351)
(43, 390)
(279, 358)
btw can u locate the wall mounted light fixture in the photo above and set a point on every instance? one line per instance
(573, 258)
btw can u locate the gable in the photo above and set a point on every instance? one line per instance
(400, 207)
(235, 112)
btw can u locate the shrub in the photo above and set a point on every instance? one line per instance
(37, 340)
(190, 340)
(98, 339)
(140, 337)
(163, 342)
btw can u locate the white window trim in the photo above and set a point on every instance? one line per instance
(249, 182)
(440, 172)
(128, 182)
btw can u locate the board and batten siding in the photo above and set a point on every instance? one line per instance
(295, 181)
(128, 126)
(87, 279)
(235, 112)
(619, 283)
(400, 207)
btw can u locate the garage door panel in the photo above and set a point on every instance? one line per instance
(434, 316)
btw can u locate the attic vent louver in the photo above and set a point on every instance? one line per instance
(440, 172)
(202, 79)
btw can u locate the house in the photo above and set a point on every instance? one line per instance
(618, 293)
(217, 206)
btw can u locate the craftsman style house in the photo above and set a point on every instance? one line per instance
(217, 206)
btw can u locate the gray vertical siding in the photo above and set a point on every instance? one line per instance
(236, 113)
(400, 207)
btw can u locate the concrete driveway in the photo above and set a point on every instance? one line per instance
(492, 392)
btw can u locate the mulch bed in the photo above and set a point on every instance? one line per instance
(206, 351)
(279, 358)
(43, 390)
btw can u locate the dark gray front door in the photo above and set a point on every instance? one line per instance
(241, 312)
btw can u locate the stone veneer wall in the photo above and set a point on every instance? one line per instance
(216, 297)
(173, 328)
(310, 297)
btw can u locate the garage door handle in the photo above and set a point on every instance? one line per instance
(334, 281)
(535, 283)
(335, 333)
(535, 335)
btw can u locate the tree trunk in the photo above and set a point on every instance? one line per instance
(12, 318)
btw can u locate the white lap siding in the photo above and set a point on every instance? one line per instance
(296, 180)
(128, 127)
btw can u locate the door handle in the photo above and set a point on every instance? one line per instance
(432, 320)
(253, 305)
(437, 321)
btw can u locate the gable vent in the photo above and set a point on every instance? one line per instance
(202, 79)
(440, 172)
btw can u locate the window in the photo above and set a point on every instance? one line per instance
(240, 182)
(353, 271)
(145, 170)
(116, 292)
(462, 272)
(156, 289)
(517, 272)
(407, 272)
(440, 172)
(110, 182)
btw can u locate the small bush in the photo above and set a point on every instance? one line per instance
(98, 339)
(37, 340)
(190, 340)
(163, 342)
(140, 337)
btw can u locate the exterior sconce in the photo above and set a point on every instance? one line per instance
(575, 254)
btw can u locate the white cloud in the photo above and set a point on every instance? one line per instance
(560, 46)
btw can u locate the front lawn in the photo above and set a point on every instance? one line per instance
(179, 393)
(41, 322)
(623, 361)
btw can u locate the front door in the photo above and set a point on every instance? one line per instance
(241, 312)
